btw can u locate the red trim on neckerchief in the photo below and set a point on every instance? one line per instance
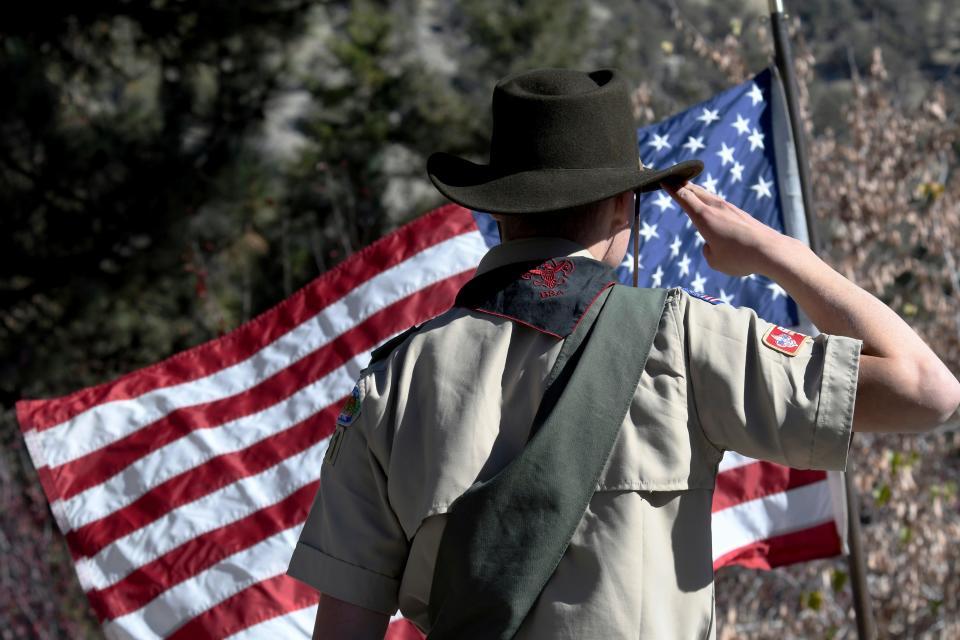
(544, 331)
(519, 321)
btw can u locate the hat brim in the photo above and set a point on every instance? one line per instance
(480, 187)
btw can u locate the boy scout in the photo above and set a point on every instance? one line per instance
(440, 469)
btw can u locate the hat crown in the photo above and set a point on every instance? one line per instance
(550, 82)
(561, 138)
(562, 119)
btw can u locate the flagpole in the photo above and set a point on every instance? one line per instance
(784, 61)
(636, 239)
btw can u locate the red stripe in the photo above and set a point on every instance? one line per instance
(200, 361)
(262, 601)
(191, 485)
(96, 467)
(812, 543)
(200, 553)
(48, 482)
(757, 480)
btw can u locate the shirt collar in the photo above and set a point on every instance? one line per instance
(530, 249)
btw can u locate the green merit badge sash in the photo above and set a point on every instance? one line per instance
(504, 537)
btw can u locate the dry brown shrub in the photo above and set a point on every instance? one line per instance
(888, 203)
(888, 213)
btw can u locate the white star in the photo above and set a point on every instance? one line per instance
(628, 263)
(726, 297)
(756, 95)
(658, 276)
(776, 290)
(664, 201)
(698, 283)
(749, 276)
(737, 171)
(693, 143)
(721, 195)
(762, 188)
(659, 142)
(756, 140)
(726, 154)
(675, 247)
(742, 125)
(685, 265)
(709, 116)
(699, 239)
(710, 183)
(648, 231)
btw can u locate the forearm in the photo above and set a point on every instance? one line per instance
(838, 306)
(903, 384)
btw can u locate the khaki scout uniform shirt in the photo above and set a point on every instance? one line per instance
(454, 404)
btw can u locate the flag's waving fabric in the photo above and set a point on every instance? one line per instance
(733, 134)
(181, 488)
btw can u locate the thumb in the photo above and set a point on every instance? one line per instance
(708, 254)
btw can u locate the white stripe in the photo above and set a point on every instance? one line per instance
(188, 599)
(106, 423)
(755, 520)
(732, 460)
(197, 447)
(838, 495)
(296, 624)
(212, 511)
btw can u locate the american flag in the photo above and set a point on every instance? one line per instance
(181, 488)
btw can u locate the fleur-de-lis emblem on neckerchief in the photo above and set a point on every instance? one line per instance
(551, 274)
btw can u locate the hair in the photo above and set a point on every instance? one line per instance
(572, 223)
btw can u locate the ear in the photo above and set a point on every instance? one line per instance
(623, 205)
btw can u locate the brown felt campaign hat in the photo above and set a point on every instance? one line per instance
(561, 138)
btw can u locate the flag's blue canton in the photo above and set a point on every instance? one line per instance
(732, 133)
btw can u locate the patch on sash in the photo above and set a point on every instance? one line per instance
(351, 408)
(783, 340)
(703, 296)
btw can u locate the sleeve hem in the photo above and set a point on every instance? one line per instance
(838, 391)
(344, 581)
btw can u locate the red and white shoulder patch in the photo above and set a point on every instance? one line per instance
(784, 340)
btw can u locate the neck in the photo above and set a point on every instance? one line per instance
(601, 249)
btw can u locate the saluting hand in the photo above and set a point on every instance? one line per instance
(902, 385)
(736, 243)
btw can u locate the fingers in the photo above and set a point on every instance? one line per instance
(686, 197)
(708, 197)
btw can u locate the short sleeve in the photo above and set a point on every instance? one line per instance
(352, 546)
(754, 392)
